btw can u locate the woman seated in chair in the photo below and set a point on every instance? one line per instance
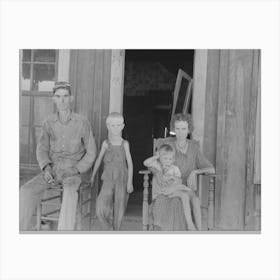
(167, 211)
(163, 162)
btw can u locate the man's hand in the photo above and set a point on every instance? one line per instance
(129, 187)
(69, 172)
(48, 174)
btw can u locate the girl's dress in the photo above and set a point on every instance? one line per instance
(113, 196)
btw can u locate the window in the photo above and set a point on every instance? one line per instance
(38, 74)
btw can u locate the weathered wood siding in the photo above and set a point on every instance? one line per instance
(90, 76)
(206, 123)
(237, 99)
(211, 102)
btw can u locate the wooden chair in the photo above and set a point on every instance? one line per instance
(54, 200)
(147, 184)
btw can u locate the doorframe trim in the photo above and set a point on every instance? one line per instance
(199, 94)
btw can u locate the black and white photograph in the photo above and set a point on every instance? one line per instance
(140, 140)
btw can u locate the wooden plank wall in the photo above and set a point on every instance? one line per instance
(210, 116)
(252, 141)
(90, 76)
(237, 96)
(211, 100)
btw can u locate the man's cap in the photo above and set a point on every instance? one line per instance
(62, 84)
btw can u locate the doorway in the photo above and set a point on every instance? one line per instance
(149, 82)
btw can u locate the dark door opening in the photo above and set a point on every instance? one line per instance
(149, 82)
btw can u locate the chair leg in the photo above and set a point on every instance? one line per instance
(39, 214)
(89, 211)
(145, 203)
(211, 203)
(79, 212)
(82, 212)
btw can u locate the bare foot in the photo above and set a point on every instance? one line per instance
(192, 227)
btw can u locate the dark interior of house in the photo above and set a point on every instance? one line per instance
(149, 82)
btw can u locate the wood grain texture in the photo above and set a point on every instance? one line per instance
(106, 92)
(211, 105)
(220, 153)
(209, 121)
(251, 138)
(257, 161)
(90, 78)
(236, 106)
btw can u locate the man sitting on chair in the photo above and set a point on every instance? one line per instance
(66, 148)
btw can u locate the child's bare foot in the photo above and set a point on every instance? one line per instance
(199, 227)
(192, 227)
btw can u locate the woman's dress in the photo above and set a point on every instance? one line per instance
(168, 212)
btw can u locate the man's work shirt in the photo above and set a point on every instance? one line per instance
(66, 145)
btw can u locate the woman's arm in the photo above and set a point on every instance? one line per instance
(192, 179)
(203, 166)
(130, 167)
(99, 159)
(209, 170)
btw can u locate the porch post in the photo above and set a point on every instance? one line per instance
(117, 81)
(199, 92)
(204, 106)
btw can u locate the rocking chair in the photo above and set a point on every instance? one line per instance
(147, 219)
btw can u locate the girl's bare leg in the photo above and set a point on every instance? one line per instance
(187, 211)
(186, 206)
(196, 211)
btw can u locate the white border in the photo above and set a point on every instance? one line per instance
(197, 24)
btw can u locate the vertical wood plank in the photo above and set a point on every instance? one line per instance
(199, 92)
(257, 160)
(85, 80)
(20, 95)
(97, 98)
(73, 76)
(106, 92)
(90, 78)
(96, 117)
(63, 65)
(211, 105)
(210, 116)
(220, 153)
(234, 126)
(252, 114)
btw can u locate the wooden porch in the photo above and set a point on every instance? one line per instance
(225, 108)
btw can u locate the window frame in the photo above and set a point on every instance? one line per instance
(34, 94)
